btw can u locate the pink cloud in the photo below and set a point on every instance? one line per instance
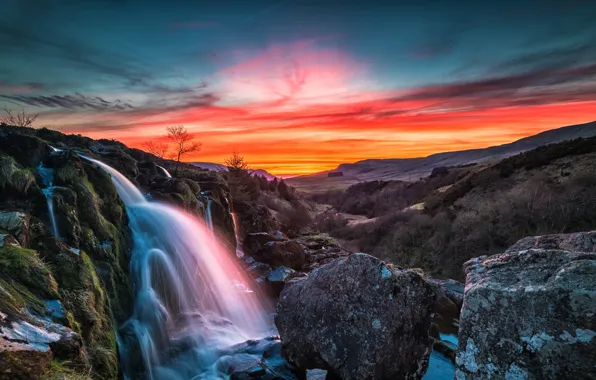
(291, 74)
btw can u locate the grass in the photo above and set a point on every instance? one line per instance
(61, 370)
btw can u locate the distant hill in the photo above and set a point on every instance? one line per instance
(411, 169)
(223, 168)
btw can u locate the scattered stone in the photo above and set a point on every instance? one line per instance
(359, 319)
(530, 314)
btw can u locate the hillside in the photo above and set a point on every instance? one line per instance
(543, 191)
(411, 169)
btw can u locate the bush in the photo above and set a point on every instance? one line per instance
(296, 220)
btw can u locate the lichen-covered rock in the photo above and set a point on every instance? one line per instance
(27, 347)
(575, 242)
(529, 315)
(359, 319)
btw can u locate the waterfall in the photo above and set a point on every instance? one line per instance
(239, 240)
(208, 216)
(165, 172)
(191, 303)
(47, 177)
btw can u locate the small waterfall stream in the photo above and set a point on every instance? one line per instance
(189, 307)
(209, 216)
(165, 172)
(47, 176)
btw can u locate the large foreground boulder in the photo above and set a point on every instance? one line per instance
(529, 314)
(359, 319)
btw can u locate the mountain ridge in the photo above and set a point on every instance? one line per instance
(414, 168)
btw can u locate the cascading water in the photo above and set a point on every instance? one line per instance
(47, 176)
(208, 216)
(239, 240)
(165, 172)
(189, 307)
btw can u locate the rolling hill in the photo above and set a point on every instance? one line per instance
(411, 169)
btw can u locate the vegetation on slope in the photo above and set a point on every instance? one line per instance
(548, 190)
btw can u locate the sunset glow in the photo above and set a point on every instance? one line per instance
(294, 105)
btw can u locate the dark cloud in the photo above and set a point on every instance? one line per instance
(441, 40)
(73, 102)
(537, 86)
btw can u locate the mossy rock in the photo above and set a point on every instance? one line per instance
(25, 267)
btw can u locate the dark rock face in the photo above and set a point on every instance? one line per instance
(359, 319)
(530, 314)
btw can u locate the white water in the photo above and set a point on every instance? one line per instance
(208, 216)
(165, 172)
(188, 303)
(47, 176)
(237, 233)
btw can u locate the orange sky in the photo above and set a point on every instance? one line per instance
(300, 108)
(319, 138)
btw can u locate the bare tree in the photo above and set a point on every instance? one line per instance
(21, 118)
(183, 142)
(236, 162)
(156, 148)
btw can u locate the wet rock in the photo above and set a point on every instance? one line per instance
(576, 242)
(529, 314)
(276, 279)
(359, 319)
(261, 359)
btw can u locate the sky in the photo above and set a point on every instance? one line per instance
(300, 86)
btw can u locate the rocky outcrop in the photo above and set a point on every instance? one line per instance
(576, 242)
(529, 314)
(359, 319)
(320, 249)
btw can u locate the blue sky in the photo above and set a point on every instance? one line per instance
(230, 69)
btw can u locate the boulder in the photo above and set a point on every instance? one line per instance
(529, 315)
(286, 253)
(27, 347)
(576, 242)
(359, 319)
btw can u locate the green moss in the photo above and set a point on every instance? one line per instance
(69, 174)
(25, 267)
(7, 167)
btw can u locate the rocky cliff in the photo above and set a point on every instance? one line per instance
(65, 246)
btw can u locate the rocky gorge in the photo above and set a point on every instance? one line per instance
(66, 287)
